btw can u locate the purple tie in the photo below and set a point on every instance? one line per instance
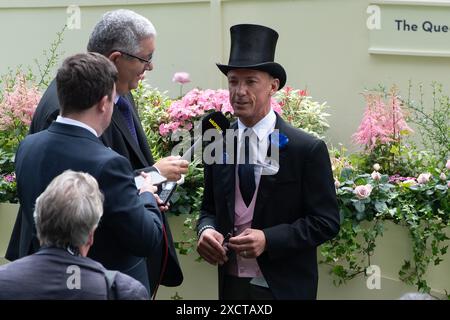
(246, 172)
(125, 109)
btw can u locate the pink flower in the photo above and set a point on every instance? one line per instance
(337, 184)
(302, 93)
(10, 177)
(18, 105)
(442, 176)
(276, 106)
(448, 184)
(363, 192)
(163, 129)
(376, 176)
(181, 77)
(424, 178)
(447, 165)
(382, 122)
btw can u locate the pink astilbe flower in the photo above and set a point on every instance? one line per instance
(371, 130)
(18, 106)
(381, 123)
(395, 118)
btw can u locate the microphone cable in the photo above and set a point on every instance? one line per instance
(164, 262)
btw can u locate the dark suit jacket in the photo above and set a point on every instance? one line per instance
(296, 209)
(45, 274)
(118, 138)
(130, 228)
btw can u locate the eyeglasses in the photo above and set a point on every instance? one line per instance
(140, 59)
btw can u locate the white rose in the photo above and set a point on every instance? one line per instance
(376, 176)
(424, 178)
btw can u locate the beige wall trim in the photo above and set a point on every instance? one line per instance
(8, 4)
(426, 53)
(414, 2)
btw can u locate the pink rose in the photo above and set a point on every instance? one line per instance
(424, 178)
(447, 165)
(181, 77)
(363, 192)
(448, 184)
(376, 176)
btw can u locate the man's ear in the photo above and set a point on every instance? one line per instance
(103, 104)
(90, 240)
(114, 56)
(274, 85)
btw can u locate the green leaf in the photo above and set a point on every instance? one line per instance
(381, 206)
(360, 216)
(346, 174)
(359, 206)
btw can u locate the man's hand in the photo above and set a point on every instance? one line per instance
(172, 167)
(147, 185)
(249, 244)
(162, 207)
(209, 246)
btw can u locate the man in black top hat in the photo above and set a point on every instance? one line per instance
(262, 219)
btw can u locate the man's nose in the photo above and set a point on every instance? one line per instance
(149, 66)
(242, 89)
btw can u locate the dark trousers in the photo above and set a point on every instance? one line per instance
(235, 288)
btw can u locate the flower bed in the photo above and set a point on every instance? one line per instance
(390, 181)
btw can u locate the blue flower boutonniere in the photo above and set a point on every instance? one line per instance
(278, 139)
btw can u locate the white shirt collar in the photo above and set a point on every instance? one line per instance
(77, 123)
(264, 127)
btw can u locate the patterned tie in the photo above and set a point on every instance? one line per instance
(246, 172)
(125, 109)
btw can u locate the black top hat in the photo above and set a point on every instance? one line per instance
(253, 47)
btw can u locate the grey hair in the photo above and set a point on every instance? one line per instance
(68, 210)
(120, 30)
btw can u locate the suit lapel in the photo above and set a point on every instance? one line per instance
(268, 182)
(119, 121)
(228, 180)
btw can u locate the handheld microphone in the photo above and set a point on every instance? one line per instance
(215, 120)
